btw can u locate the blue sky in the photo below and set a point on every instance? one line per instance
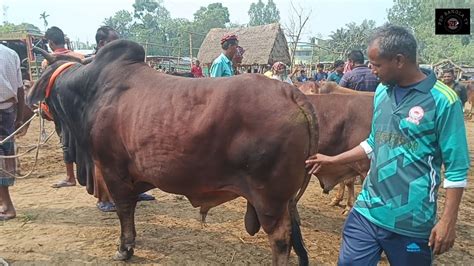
(79, 19)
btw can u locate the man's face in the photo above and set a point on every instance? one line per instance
(448, 78)
(340, 68)
(233, 49)
(198, 63)
(387, 70)
(320, 69)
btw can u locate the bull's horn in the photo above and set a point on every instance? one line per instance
(49, 57)
(87, 60)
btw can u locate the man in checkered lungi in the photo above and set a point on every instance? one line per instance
(11, 111)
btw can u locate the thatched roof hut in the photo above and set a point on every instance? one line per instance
(263, 45)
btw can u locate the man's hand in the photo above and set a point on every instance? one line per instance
(316, 161)
(442, 236)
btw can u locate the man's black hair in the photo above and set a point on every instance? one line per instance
(356, 56)
(103, 33)
(338, 63)
(393, 40)
(55, 35)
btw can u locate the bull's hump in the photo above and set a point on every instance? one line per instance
(121, 50)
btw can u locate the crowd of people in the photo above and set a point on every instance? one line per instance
(417, 127)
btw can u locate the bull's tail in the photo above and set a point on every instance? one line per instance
(309, 113)
(311, 121)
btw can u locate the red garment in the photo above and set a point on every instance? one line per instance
(197, 71)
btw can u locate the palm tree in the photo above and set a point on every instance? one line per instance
(43, 16)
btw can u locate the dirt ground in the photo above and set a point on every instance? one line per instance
(63, 226)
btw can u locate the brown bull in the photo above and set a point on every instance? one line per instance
(211, 140)
(345, 119)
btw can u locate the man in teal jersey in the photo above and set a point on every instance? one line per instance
(417, 126)
(222, 65)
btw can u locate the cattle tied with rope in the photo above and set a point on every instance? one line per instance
(211, 140)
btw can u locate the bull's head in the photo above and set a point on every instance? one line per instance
(38, 91)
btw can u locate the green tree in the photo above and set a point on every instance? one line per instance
(10, 27)
(44, 16)
(418, 16)
(205, 18)
(351, 37)
(122, 22)
(261, 14)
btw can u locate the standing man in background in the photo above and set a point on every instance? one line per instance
(222, 65)
(360, 78)
(57, 43)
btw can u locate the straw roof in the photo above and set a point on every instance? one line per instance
(263, 45)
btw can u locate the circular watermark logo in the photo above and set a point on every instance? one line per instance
(452, 21)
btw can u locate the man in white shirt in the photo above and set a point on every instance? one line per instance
(11, 111)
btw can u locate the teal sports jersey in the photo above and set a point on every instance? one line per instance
(221, 67)
(407, 145)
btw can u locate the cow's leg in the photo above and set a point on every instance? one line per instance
(351, 196)
(339, 195)
(126, 214)
(121, 190)
(279, 239)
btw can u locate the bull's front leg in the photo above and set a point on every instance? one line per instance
(126, 214)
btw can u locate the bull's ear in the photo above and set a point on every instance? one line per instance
(49, 57)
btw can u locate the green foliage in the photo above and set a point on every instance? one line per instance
(151, 25)
(10, 27)
(418, 16)
(261, 14)
(121, 22)
(348, 38)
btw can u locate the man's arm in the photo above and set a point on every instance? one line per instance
(20, 107)
(318, 160)
(444, 233)
(453, 145)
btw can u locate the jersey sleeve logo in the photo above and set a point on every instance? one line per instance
(415, 115)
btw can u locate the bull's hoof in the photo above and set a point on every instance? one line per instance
(123, 255)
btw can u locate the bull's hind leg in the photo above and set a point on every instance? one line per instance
(279, 235)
